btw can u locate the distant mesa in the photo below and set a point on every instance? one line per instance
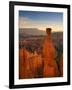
(31, 31)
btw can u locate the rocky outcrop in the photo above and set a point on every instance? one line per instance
(29, 64)
(49, 55)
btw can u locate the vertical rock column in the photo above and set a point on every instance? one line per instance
(49, 55)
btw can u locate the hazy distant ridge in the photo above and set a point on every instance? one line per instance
(31, 31)
(37, 32)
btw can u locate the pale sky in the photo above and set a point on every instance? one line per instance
(41, 20)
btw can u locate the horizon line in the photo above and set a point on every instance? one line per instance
(41, 30)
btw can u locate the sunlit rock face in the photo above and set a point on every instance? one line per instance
(23, 67)
(30, 64)
(49, 55)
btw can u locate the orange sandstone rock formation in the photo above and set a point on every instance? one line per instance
(49, 55)
(36, 65)
(29, 64)
(23, 64)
